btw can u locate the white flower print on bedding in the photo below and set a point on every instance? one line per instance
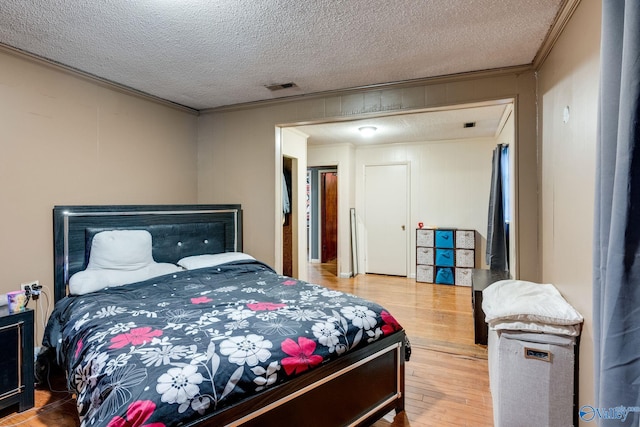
(327, 334)
(239, 313)
(116, 363)
(302, 314)
(267, 315)
(119, 328)
(98, 362)
(330, 293)
(244, 329)
(266, 377)
(82, 377)
(279, 325)
(225, 289)
(237, 325)
(149, 314)
(200, 404)
(109, 311)
(119, 385)
(165, 354)
(84, 319)
(87, 375)
(253, 290)
(205, 320)
(249, 350)
(179, 385)
(308, 296)
(360, 316)
(179, 318)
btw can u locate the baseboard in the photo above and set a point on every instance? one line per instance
(346, 275)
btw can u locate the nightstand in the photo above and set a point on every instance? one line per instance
(481, 279)
(16, 359)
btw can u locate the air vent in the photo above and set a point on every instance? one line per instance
(281, 86)
(470, 125)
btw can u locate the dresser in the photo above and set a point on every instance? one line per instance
(16, 359)
(480, 280)
(445, 256)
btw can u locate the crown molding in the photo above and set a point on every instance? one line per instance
(562, 18)
(424, 81)
(559, 23)
(93, 78)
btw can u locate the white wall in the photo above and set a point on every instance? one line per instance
(570, 77)
(65, 140)
(450, 184)
(238, 156)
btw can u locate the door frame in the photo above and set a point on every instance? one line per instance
(328, 169)
(333, 165)
(298, 155)
(515, 229)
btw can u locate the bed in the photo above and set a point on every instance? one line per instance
(226, 341)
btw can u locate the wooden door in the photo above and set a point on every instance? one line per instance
(329, 216)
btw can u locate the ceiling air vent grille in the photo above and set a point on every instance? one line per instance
(281, 86)
(470, 124)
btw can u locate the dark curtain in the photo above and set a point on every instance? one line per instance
(497, 249)
(616, 272)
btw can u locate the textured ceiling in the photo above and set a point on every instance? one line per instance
(205, 54)
(414, 127)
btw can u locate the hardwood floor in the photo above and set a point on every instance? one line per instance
(447, 381)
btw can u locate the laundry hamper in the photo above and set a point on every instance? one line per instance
(532, 379)
(532, 348)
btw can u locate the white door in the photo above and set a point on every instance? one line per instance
(386, 219)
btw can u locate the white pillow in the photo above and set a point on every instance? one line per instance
(211, 260)
(96, 279)
(120, 250)
(518, 300)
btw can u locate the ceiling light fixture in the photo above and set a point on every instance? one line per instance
(368, 131)
(280, 86)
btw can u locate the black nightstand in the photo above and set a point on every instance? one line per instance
(480, 279)
(16, 359)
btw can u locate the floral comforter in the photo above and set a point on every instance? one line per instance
(173, 348)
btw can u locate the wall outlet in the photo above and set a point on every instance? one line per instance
(29, 287)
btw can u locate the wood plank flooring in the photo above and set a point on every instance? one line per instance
(447, 381)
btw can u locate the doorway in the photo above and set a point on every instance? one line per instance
(328, 216)
(323, 190)
(287, 221)
(417, 139)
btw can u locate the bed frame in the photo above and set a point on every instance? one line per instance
(355, 389)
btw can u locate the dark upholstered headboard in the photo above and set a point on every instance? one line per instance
(177, 231)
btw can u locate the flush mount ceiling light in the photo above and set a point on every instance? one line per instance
(367, 131)
(280, 86)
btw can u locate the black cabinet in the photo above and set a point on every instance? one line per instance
(16, 359)
(481, 279)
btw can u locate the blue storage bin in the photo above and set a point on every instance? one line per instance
(444, 276)
(444, 239)
(445, 257)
